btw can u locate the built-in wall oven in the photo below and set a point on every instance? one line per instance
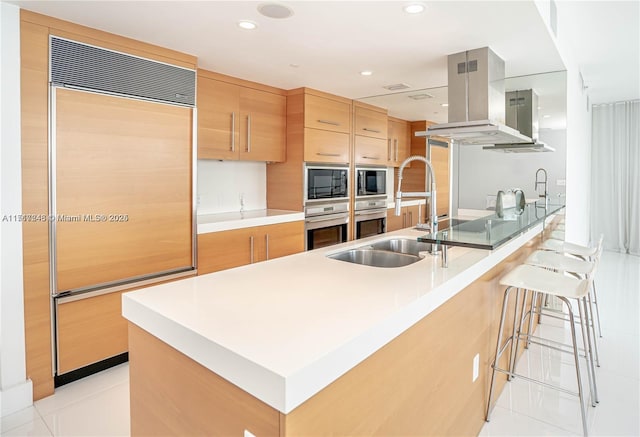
(370, 211)
(326, 205)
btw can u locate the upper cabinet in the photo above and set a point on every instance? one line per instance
(398, 141)
(370, 135)
(326, 125)
(239, 122)
(326, 113)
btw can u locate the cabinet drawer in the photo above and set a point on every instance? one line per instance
(327, 114)
(325, 146)
(370, 150)
(370, 123)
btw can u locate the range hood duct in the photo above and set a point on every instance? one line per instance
(476, 101)
(522, 115)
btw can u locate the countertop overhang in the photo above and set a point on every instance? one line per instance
(284, 329)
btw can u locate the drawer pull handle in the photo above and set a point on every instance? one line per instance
(332, 123)
(327, 154)
(233, 131)
(375, 131)
(371, 157)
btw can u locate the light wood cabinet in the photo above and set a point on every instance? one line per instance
(237, 122)
(326, 113)
(227, 249)
(370, 135)
(370, 150)
(409, 217)
(398, 142)
(325, 146)
(370, 122)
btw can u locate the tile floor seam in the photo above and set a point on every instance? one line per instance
(553, 425)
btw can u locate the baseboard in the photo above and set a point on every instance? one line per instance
(16, 398)
(82, 372)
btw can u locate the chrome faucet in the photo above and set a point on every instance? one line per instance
(545, 195)
(426, 194)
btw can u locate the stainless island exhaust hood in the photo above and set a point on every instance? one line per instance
(476, 101)
(522, 114)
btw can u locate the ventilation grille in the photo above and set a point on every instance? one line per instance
(83, 66)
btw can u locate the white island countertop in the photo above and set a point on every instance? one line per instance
(284, 329)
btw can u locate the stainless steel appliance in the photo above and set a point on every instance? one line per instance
(325, 182)
(371, 181)
(476, 101)
(326, 205)
(370, 209)
(326, 224)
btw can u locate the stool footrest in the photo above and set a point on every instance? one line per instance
(536, 381)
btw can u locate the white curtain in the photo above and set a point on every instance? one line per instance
(615, 168)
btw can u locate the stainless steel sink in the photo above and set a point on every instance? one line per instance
(402, 245)
(394, 252)
(375, 258)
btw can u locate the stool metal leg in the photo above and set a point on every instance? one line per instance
(592, 325)
(532, 311)
(595, 303)
(576, 359)
(498, 353)
(514, 338)
(588, 341)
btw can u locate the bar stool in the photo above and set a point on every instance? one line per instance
(586, 253)
(582, 270)
(528, 277)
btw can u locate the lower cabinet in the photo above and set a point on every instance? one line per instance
(90, 330)
(227, 249)
(409, 217)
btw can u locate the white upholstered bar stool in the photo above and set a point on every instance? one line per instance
(527, 277)
(582, 270)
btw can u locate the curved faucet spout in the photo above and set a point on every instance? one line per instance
(399, 194)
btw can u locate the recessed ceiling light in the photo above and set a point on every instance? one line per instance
(444, 105)
(246, 24)
(275, 10)
(294, 65)
(366, 73)
(414, 8)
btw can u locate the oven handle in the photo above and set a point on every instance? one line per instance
(326, 221)
(371, 214)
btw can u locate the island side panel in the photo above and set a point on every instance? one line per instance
(421, 382)
(171, 394)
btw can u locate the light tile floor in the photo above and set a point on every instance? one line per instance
(99, 405)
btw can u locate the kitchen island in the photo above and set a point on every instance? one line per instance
(308, 345)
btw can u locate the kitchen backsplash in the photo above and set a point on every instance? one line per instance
(229, 186)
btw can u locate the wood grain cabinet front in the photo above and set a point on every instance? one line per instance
(227, 249)
(398, 141)
(326, 113)
(371, 151)
(409, 217)
(370, 122)
(240, 123)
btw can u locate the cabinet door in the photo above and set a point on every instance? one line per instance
(398, 143)
(326, 114)
(262, 125)
(413, 215)
(394, 222)
(370, 123)
(282, 239)
(218, 119)
(227, 249)
(370, 150)
(325, 146)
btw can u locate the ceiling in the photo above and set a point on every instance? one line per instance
(325, 45)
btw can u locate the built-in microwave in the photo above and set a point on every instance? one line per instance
(326, 183)
(371, 181)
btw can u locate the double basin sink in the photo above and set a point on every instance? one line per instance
(395, 252)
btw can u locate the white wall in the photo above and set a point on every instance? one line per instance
(482, 172)
(222, 185)
(578, 131)
(15, 389)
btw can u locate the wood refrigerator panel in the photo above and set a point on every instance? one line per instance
(123, 188)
